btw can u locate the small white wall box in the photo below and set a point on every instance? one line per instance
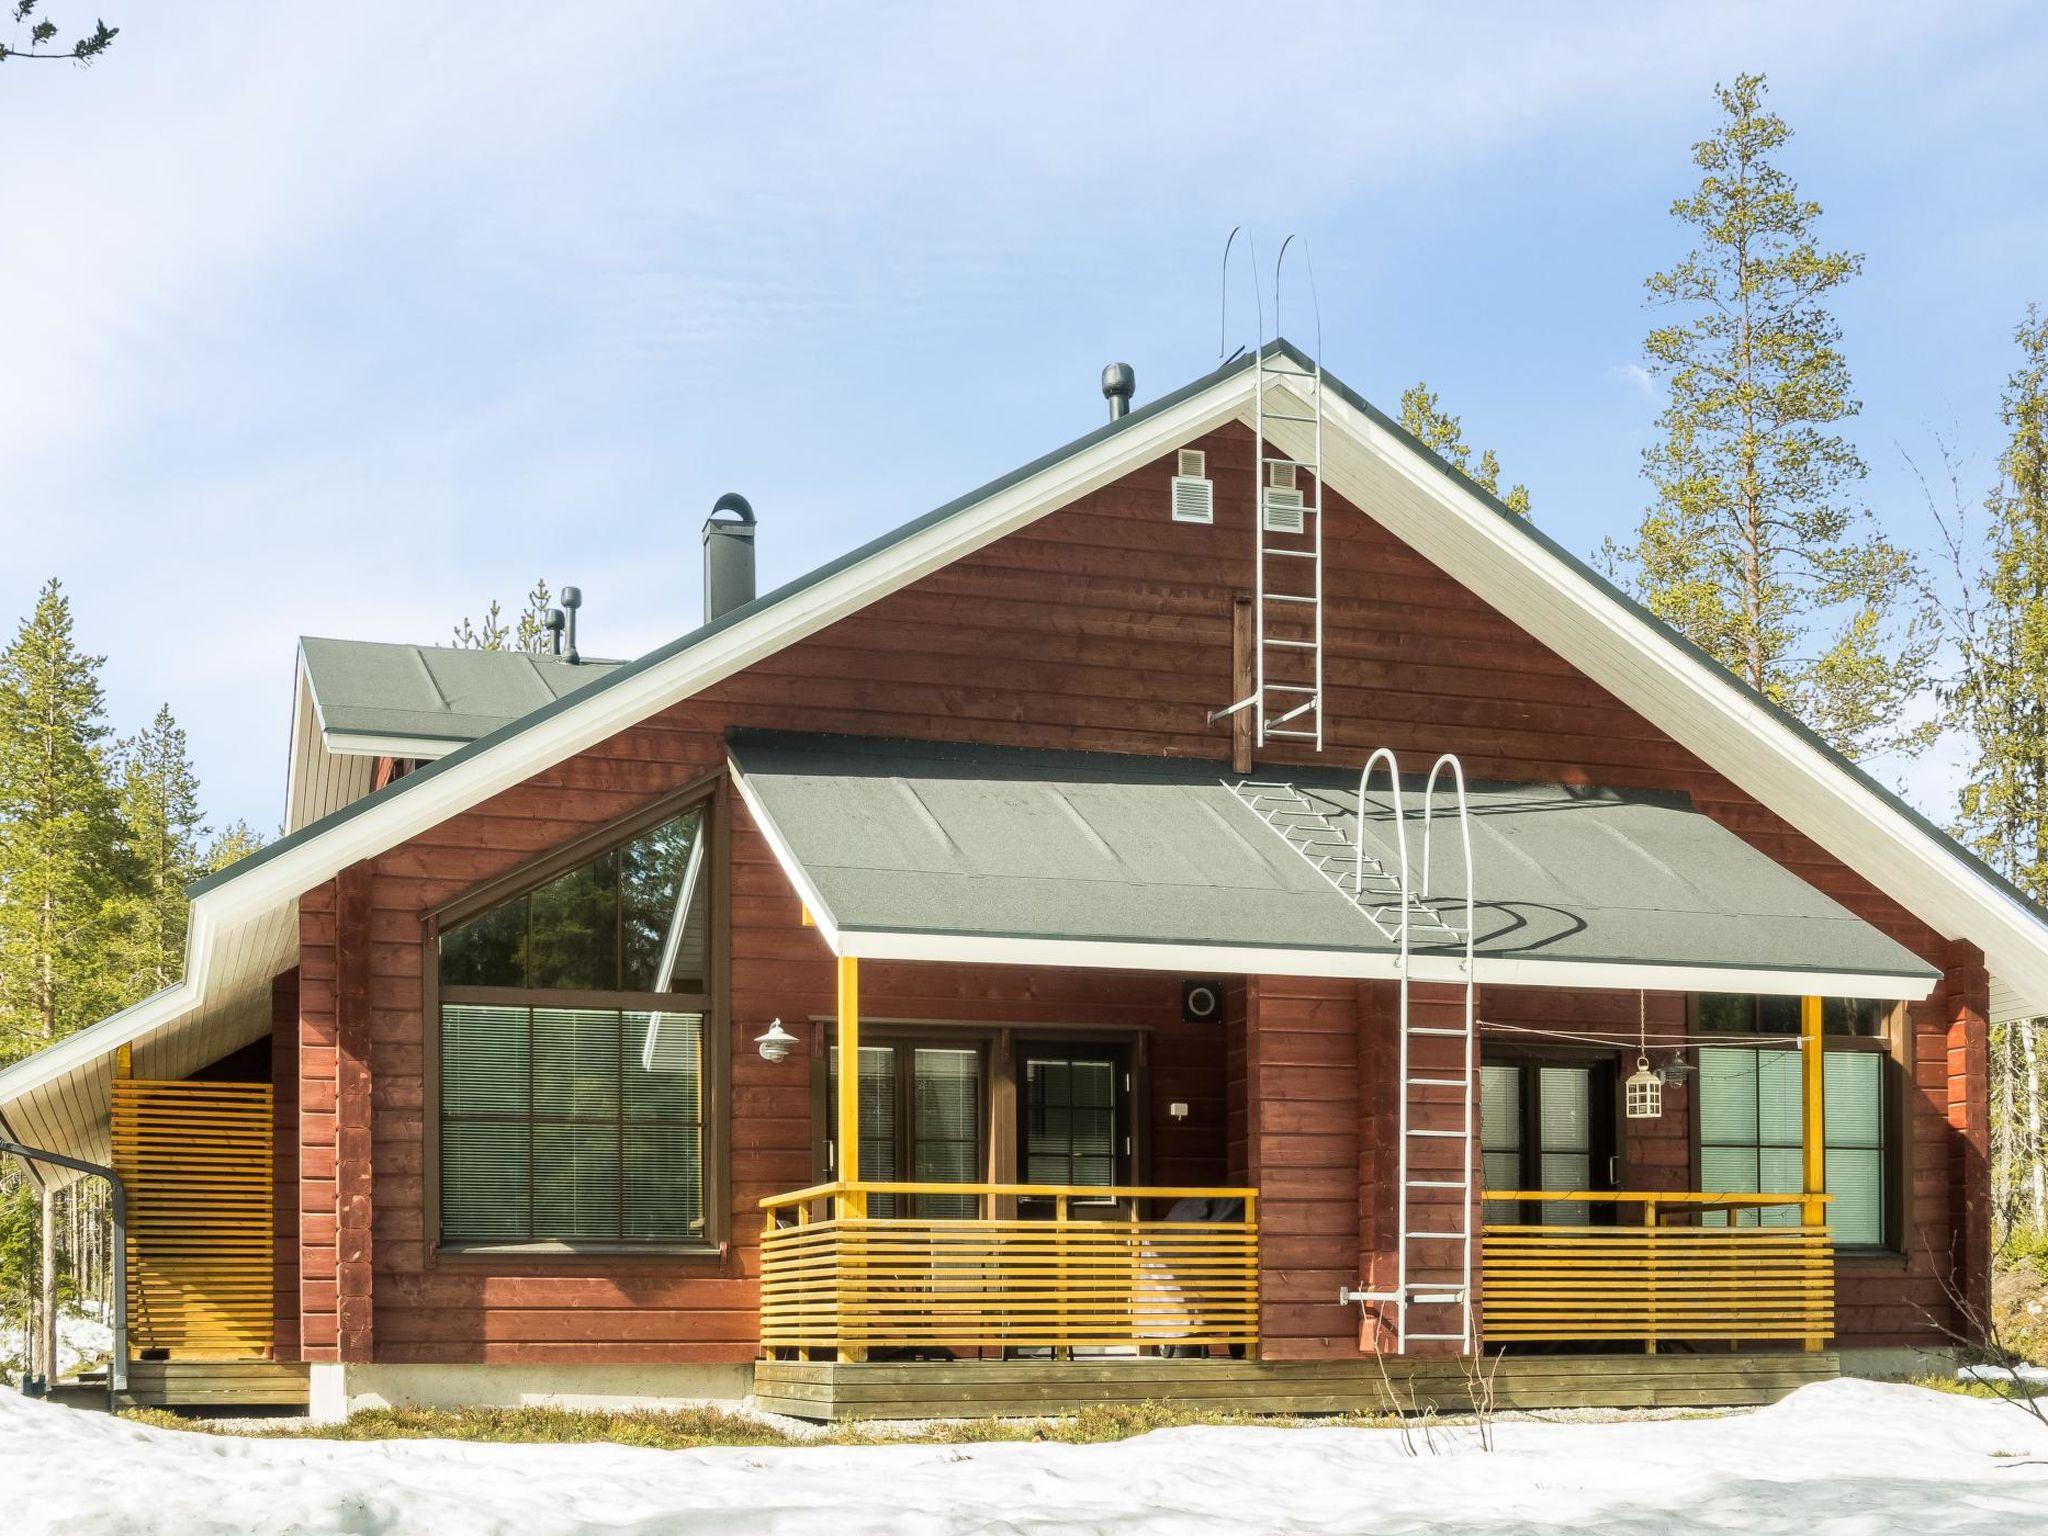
(1194, 495)
(1177, 1110)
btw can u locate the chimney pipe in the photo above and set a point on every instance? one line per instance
(1118, 381)
(572, 599)
(728, 556)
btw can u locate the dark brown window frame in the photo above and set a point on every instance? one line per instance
(1602, 1061)
(1003, 1043)
(1895, 1042)
(713, 792)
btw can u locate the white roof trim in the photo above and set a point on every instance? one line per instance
(421, 749)
(1698, 704)
(584, 720)
(1362, 965)
(1703, 708)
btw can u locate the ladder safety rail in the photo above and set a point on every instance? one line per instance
(1283, 392)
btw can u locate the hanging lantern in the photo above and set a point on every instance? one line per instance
(1643, 1094)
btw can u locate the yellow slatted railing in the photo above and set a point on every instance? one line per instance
(1649, 1280)
(196, 1160)
(1099, 1277)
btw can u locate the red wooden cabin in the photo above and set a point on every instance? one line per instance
(1117, 1049)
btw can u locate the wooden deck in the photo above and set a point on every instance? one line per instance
(216, 1384)
(1018, 1388)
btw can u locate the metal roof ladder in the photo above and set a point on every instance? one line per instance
(1287, 531)
(1434, 1235)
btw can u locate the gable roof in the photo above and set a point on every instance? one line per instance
(424, 701)
(244, 917)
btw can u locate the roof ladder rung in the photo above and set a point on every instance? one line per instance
(1292, 554)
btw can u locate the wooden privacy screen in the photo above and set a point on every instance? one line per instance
(854, 1283)
(195, 1158)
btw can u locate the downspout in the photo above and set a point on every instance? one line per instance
(117, 1364)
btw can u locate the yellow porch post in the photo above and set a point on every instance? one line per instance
(1813, 1153)
(849, 1202)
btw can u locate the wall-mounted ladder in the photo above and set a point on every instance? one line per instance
(1431, 1297)
(1286, 697)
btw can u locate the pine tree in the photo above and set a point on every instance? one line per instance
(1997, 625)
(529, 632)
(60, 844)
(165, 833)
(1755, 547)
(2001, 697)
(1422, 413)
(236, 842)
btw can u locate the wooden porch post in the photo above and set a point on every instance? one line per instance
(849, 1203)
(1813, 1123)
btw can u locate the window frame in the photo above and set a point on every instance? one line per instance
(1610, 1170)
(1893, 1042)
(712, 793)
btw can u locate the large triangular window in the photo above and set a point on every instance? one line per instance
(573, 1035)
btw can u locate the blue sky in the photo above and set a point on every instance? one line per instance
(344, 320)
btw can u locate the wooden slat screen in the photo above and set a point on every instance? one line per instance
(196, 1159)
(858, 1283)
(1658, 1282)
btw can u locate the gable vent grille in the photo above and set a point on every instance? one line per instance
(1194, 500)
(1284, 512)
(1194, 463)
(1283, 477)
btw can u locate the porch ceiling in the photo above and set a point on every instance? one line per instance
(935, 851)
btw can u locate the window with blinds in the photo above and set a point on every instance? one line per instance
(1537, 1131)
(1751, 1105)
(920, 1122)
(581, 1124)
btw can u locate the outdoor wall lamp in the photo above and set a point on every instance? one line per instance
(775, 1042)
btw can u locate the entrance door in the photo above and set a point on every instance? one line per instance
(921, 1117)
(1547, 1125)
(1074, 1122)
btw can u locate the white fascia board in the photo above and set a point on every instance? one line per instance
(792, 868)
(421, 749)
(131, 1024)
(608, 710)
(603, 712)
(1704, 710)
(1363, 965)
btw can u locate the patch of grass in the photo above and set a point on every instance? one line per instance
(2003, 1391)
(690, 1428)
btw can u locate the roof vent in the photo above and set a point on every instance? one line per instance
(1194, 496)
(728, 556)
(1118, 384)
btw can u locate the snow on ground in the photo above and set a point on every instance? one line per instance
(1845, 1458)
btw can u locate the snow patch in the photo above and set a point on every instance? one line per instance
(1850, 1457)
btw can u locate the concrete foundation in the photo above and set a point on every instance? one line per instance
(340, 1390)
(1901, 1362)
